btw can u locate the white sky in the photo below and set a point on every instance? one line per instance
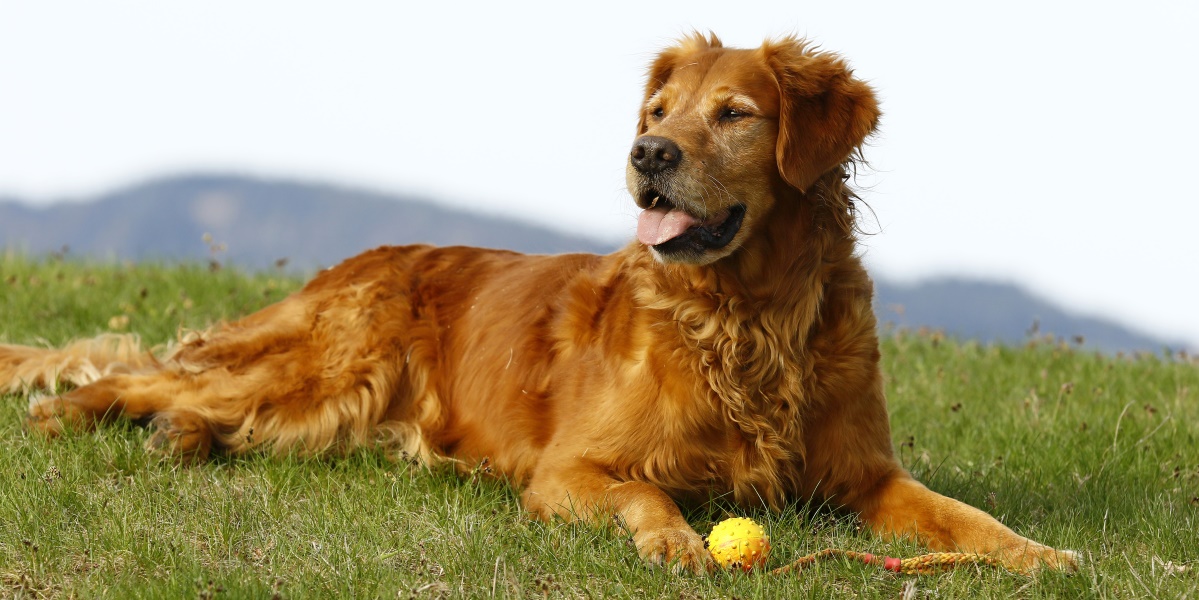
(1048, 143)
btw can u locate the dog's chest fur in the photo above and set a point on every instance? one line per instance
(733, 374)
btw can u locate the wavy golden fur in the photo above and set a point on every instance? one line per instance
(730, 351)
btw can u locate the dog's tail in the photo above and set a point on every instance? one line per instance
(23, 368)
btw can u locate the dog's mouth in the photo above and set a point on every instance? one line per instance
(674, 231)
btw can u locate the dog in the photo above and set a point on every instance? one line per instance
(730, 351)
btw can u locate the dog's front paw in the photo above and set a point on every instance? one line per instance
(682, 550)
(1035, 557)
(1061, 560)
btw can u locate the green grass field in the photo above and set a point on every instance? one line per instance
(1094, 453)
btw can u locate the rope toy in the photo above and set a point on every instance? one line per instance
(925, 564)
(741, 544)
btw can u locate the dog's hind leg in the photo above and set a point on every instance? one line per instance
(182, 433)
(299, 400)
(318, 371)
(156, 395)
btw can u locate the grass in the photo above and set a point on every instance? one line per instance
(1079, 450)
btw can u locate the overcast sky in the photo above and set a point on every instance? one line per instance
(1048, 144)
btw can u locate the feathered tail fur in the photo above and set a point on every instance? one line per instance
(25, 368)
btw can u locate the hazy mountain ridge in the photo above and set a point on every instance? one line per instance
(999, 312)
(259, 221)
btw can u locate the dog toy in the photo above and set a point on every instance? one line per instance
(924, 564)
(739, 543)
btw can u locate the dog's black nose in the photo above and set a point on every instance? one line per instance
(653, 154)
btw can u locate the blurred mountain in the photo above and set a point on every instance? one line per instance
(253, 223)
(1000, 312)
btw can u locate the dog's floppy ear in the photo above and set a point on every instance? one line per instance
(667, 61)
(824, 112)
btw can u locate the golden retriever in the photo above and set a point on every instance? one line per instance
(730, 351)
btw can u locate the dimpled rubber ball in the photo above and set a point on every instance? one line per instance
(739, 543)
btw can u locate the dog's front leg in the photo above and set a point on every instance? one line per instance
(901, 506)
(585, 491)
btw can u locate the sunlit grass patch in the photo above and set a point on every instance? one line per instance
(1095, 453)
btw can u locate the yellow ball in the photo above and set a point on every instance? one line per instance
(739, 543)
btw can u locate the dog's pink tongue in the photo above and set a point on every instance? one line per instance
(657, 225)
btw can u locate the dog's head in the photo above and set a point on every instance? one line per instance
(722, 130)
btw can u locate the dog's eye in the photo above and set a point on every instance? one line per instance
(732, 114)
(657, 112)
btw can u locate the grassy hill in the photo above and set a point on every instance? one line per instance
(1079, 450)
